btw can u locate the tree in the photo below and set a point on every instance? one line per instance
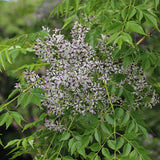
(94, 85)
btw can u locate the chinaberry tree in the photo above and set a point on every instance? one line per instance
(94, 85)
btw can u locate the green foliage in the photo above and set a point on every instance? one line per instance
(112, 134)
(120, 24)
(12, 50)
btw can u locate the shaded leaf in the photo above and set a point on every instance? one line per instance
(106, 128)
(131, 12)
(119, 143)
(151, 19)
(95, 147)
(134, 27)
(97, 136)
(127, 149)
(9, 121)
(17, 117)
(106, 153)
(65, 136)
(4, 118)
(125, 119)
(112, 144)
(119, 112)
(128, 96)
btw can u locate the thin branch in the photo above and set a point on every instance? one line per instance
(149, 33)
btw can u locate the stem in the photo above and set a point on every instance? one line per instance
(49, 145)
(109, 98)
(149, 33)
(63, 141)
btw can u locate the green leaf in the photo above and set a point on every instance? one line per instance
(112, 144)
(95, 147)
(7, 55)
(119, 143)
(131, 12)
(128, 87)
(73, 148)
(144, 131)
(58, 159)
(146, 64)
(85, 140)
(28, 126)
(131, 135)
(77, 4)
(37, 90)
(17, 117)
(139, 158)
(22, 98)
(119, 77)
(65, 136)
(113, 4)
(97, 136)
(124, 13)
(13, 93)
(130, 127)
(133, 155)
(125, 119)
(115, 27)
(119, 91)
(82, 152)
(142, 7)
(151, 19)
(91, 155)
(9, 121)
(28, 99)
(67, 22)
(109, 119)
(119, 41)
(106, 128)
(127, 149)
(70, 143)
(67, 4)
(127, 61)
(139, 15)
(119, 112)
(24, 143)
(67, 158)
(127, 38)
(97, 158)
(113, 37)
(128, 96)
(10, 143)
(4, 118)
(156, 3)
(2, 60)
(134, 27)
(106, 153)
(36, 99)
(31, 140)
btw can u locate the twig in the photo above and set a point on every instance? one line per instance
(149, 33)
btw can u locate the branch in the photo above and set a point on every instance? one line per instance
(149, 33)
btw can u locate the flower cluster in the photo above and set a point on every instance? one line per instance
(75, 81)
(143, 90)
